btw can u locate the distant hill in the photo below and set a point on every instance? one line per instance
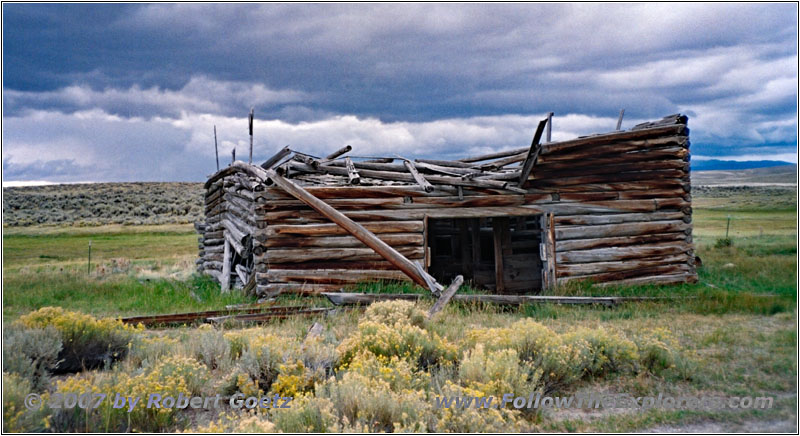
(716, 164)
(775, 175)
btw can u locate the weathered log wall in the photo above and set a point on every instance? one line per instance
(622, 206)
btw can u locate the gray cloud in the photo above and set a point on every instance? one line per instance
(140, 81)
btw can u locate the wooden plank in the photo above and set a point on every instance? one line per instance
(447, 294)
(533, 153)
(352, 175)
(225, 283)
(424, 184)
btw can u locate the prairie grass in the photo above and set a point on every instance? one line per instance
(379, 369)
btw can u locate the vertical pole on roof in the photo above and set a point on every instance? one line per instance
(549, 126)
(252, 109)
(216, 150)
(233, 155)
(619, 120)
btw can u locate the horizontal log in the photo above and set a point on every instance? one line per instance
(241, 203)
(343, 192)
(647, 137)
(341, 241)
(212, 264)
(619, 241)
(560, 162)
(351, 298)
(689, 277)
(274, 256)
(618, 186)
(579, 220)
(340, 276)
(235, 244)
(612, 276)
(622, 229)
(213, 249)
(382, 265)
(586, 269)
(334, 229)
(233, 230)
(275, 289)
(624, 167)
(215, 241)
(622, 253)
(425, 202)
(607, 178)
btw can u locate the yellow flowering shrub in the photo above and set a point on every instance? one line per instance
(88, 342)
(393, 312)
(398, 373)
(16, 417)
(307, 414)
(149, 348)
(498, 372)
(261, 356)
(363, 403)
(659, 351)
(230, 423)
(603, 351)
(472, 419)
(292, 380)
(565, 358)
(171, 376)
(405, 341)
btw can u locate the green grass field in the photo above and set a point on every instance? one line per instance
(737, 331)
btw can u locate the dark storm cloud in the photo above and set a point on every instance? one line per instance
(419, 76)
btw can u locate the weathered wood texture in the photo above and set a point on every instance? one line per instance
(620, 202)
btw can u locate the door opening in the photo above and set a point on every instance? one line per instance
(501, 254)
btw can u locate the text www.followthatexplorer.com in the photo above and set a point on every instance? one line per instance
(615, 401)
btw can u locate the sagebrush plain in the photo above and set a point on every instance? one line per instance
(733, 333)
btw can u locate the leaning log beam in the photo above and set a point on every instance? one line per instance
(533, 153)
(424, 184)
(355, 229)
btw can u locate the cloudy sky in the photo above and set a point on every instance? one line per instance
(132, 92)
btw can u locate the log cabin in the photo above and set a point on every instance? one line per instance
(612, 208)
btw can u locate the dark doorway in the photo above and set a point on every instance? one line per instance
(497, 253)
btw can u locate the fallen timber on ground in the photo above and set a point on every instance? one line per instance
(261, 313)
(350, 299)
